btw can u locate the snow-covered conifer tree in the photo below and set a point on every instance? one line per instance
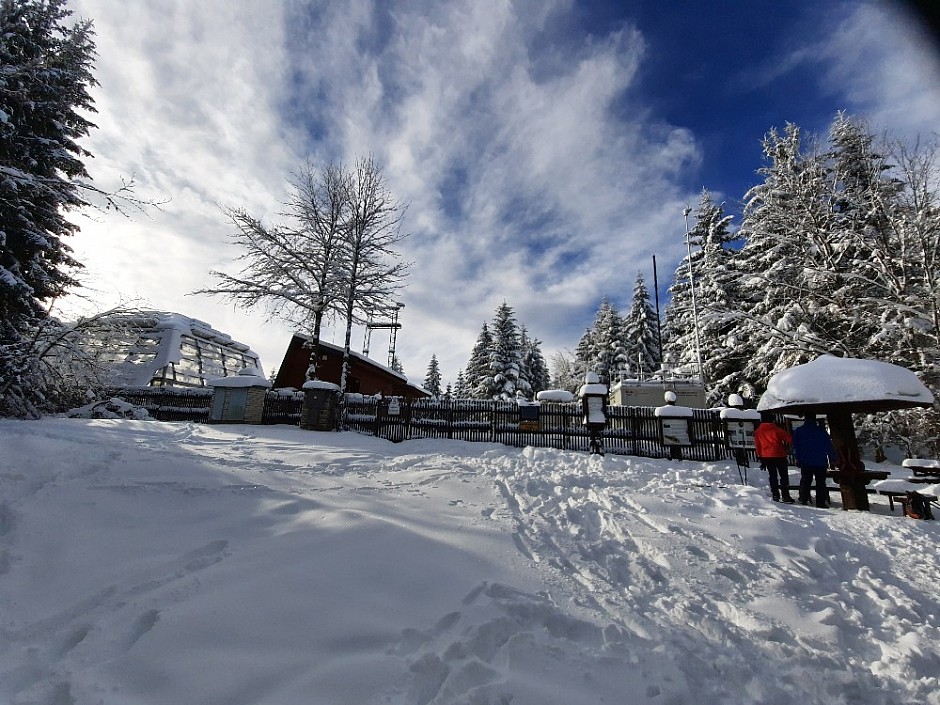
(432, 379)
(610, 353)
(460, 387)
(679, 324)
(44, 99)
(840, 255)
(641, 331)
(779, 295)
(534, 369)
(478, 376)
(585, 356)
(717, 296)
(506, 355)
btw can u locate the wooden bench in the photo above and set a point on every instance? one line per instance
(900, 489)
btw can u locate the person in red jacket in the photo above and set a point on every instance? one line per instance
(772, 444)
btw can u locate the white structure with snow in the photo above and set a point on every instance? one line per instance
(163, 349)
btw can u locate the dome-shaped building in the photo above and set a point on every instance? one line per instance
(160, 349)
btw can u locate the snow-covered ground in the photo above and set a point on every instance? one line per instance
(183, 564)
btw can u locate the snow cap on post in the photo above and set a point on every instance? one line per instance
(735, 410)
(592, 385)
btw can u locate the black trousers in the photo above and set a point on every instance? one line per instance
(817, 475)
(779, 473)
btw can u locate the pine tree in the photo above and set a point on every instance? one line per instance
(461, 391)
(534, 369)
(602, 348)
(506, 355)
(432, 379)
(679, 326)
(641, 331)
(585, 356)
(609, 347)
(505, 362)
(783, 217)
(841, 253)
(717, 295)
(478, 376)
(44, 89)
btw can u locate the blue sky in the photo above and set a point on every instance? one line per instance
(545, 148)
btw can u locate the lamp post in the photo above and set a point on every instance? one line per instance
(698, 346)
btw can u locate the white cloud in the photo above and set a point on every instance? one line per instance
(523, 184)
(888, 69)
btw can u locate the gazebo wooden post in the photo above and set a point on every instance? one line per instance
(849, 466)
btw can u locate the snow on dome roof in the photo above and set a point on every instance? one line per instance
(859, 385)
(176, 349)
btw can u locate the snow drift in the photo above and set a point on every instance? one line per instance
(166, 564)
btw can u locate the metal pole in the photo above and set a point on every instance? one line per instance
(698, 346)
(659, 328)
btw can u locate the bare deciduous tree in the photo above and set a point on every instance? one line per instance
(335, 258)
(294, 271)
(374, 270)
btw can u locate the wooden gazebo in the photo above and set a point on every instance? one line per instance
(837, 387)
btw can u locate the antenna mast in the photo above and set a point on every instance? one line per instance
(392, 325)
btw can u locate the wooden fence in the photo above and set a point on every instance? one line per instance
(631, 430)
(174, 404)
(168, 403)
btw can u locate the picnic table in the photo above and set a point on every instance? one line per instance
(925, 470)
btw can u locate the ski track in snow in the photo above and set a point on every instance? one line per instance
(654, 577)
(637, 546)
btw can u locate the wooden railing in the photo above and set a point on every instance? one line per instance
(631, 430)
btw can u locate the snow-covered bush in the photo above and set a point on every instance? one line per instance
(114, 408)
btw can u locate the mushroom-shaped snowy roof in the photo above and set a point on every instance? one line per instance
(849, 384)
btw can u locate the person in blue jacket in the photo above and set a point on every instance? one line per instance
(814, 453)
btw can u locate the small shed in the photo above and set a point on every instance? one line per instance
(239, 398)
